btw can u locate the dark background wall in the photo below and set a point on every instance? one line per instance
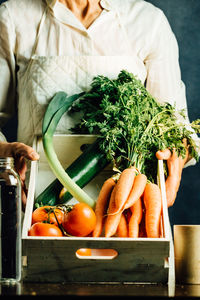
(184, 18)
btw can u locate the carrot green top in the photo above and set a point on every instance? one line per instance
(131, 124)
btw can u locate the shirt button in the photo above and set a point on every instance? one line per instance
(85, 33)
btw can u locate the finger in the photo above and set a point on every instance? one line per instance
(172, 186)
(186, 158)
(23, 194)
(17, 149)
(20, 149)
(21, 167)
(185, 143)
(176, 163)
(163, 154)
(175, 166)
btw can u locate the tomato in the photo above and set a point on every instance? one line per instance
(80, 221)
(44, 229)
(45, 213)
(84, 252)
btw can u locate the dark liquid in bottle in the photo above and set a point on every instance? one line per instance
(9, 230)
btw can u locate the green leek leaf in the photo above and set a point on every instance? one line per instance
(59, 104)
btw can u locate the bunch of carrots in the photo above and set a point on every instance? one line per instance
(129, 206)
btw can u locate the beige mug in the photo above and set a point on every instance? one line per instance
(187, 253)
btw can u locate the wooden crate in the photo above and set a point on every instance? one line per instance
(133, 260)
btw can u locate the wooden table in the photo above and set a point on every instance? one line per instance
(98, 290)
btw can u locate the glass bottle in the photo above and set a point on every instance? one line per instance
(10, 222)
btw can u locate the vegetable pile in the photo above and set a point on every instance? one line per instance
(128, 207)
(131, 127)
(65, 220)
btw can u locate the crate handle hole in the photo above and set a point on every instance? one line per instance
(88, 253)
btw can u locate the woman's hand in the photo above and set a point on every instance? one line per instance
(20, 152)
(175, 166)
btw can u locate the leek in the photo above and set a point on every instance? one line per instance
(55, 110)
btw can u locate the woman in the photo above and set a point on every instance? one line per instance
(52, 45)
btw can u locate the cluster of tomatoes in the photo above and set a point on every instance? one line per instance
(65, 220)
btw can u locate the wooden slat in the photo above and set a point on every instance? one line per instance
(30, 197)
(61, 264)
(167, 229)
(93, 274)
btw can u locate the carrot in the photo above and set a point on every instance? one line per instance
(153, 205)
(112, 220)
(172, 185)
(136, 218)
(174, 165)
(122, 229)
(101, 205)
(136, 191)
(161, 233)
(123, 188)
(142, 229)
(128, 214)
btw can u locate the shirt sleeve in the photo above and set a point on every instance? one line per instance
(163, 72)
(7, 68)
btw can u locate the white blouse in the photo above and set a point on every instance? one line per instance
(149, 33)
